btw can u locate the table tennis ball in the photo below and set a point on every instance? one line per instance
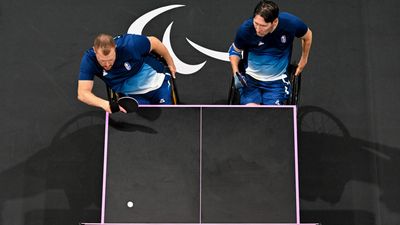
(129, 204)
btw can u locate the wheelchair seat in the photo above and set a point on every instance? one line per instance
(114, 96)
(295, 82)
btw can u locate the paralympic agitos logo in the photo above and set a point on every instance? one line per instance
(183, 68)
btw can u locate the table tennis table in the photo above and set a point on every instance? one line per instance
(193, 164)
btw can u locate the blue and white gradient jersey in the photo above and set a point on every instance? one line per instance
(130, 73)
(266, 58)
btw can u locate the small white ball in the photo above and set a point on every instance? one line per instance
(129, 204)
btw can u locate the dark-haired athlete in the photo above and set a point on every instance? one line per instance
(266, 40)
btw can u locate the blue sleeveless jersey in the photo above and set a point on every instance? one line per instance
(266, 58)
(130, 73)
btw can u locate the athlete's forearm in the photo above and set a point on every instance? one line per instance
(306, 46)
(235, 55)
(89, 98)
(234, 64)
(161, 50)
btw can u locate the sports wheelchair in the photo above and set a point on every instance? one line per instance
(295, 84)
(114, 96)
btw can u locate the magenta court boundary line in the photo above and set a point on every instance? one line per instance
(217, 106)
(201, 162)
(200, 223)
(103, 201)
(103, 195)
(296, 165)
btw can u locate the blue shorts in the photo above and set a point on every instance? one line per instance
(161, 95)
(265, 92)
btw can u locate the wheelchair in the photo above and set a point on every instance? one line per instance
(114, 96)
(295, 84)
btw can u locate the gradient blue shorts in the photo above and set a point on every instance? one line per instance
(265, 92)
(161, 95)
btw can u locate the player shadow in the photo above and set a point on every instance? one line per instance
(330, 158)
(130, 127)
(150, 114)
(120, 122)
(61, 183)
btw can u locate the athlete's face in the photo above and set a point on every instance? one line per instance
(106, 61)
(263, 28)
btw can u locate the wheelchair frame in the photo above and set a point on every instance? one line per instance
(114, 96)
(295, 84)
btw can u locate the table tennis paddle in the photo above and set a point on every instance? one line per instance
(128, 103)
(241, 78)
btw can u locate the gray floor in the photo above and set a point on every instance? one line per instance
(349, 145)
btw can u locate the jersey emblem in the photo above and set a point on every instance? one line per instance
(104, 73)
(283, 39)
(127, 66)
(260, 43)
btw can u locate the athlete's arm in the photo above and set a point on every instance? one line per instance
(235, 55)
(159, 48)
(306, 41)
(86, 95)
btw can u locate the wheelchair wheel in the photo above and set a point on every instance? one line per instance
(174, 92)
(318, 120)
(295, 83)
(83, 120)
(234, 96)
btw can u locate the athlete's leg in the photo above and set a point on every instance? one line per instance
(163, 94)
(250, 95)
(141, 99)
(275, 92)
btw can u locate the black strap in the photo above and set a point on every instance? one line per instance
(112, 99)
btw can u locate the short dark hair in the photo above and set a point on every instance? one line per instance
(268, 10)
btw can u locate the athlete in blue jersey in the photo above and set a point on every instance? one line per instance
(125, 65)
(265, 43)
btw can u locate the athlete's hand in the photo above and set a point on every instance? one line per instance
(113, 107)
(172, 69)
(240, 80)
(300, 67)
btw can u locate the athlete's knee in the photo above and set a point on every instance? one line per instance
(252, 104)
(166, 100)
